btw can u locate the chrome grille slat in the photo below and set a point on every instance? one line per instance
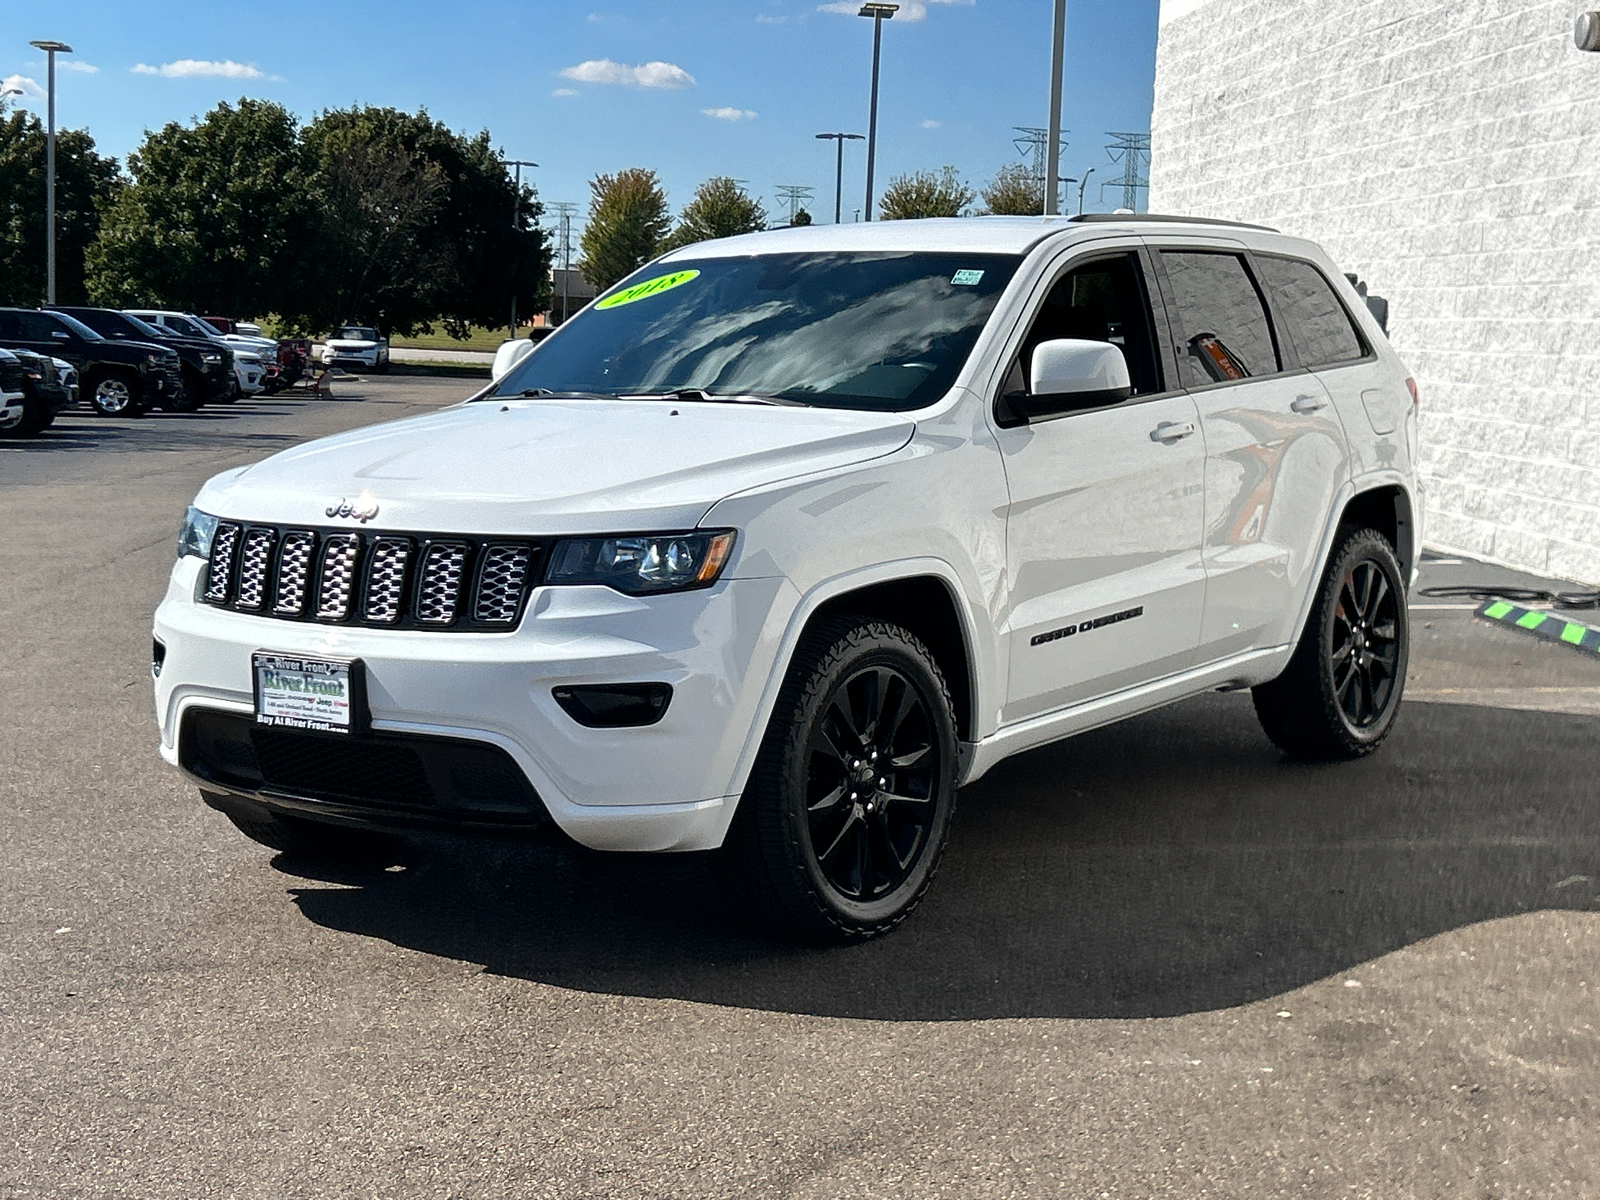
(500, 582)
(253, 563)
(336, 580)
(219, 581)
(386, 579)
(439, 593)
(294, 565)
(392, 580)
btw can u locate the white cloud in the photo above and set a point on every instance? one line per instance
(72, 64)
(650, 75)
(767, 19)
(191, 68)
(564, 92)
(930, 124)
(730, 114)
(910, 10)
(30, 87)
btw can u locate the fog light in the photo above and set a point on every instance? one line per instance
(615, 705)
(158, 657)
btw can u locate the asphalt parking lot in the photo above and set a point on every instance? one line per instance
(1159, 960)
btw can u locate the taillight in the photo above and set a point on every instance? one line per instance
(1416, 400)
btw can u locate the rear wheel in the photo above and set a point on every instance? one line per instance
(115, 394)
(1340, 695)
(842, 826)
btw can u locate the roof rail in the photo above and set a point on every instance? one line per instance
(1099, 218)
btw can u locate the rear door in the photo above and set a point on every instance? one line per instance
(1104, 525)
(1275, 450)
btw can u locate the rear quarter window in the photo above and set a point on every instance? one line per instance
(1222, 327)
(1322, 330)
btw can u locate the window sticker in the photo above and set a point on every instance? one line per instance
(651, 287)
(966, 278)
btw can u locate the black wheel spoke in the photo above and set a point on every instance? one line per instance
(900, 798)
(831, 799)
(850, 823)
(1380, 590)
(904, 762)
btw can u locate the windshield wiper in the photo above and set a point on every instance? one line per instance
(715, 398)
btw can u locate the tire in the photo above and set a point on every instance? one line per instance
(309, 839)
(35, 417)
(114, 394)
(194, 394)
(381, 368)
(1340, 695)
(825, 847)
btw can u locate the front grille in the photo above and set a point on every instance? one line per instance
(392, 580)
(432, 776)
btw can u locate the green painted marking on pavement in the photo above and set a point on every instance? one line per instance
(1497, 610)
(1531, 620)
(1574, 633)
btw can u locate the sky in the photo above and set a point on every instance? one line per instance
(690, 90)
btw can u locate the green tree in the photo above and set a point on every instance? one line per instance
(627, 224)
(1015, 191)
(213, 219)
(720, 208)
(925, 194)
(85, 181)
(801, 217)
(417, 223)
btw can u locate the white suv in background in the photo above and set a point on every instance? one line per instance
(789, 535)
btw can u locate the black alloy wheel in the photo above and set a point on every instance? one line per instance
(1365, 647)
(1340, 695)
(191, 396)
(871, 774)
(841, 827)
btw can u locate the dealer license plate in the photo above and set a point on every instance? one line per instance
(295, 692)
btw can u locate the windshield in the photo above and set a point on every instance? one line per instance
(78, 327)
(358, 333)
(115, 325)
(885, 331)
(188, 327)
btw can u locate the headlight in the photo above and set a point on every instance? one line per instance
(211, 358)
(650, 563)
(194, 536)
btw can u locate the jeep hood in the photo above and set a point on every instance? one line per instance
(545, 466)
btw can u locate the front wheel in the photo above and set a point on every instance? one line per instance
(115, 394)
(848, 809)
(191, 397)
(1340, 695)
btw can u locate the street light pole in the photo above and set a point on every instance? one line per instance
(1083, 183)
(516, 221)
(879, 14)
(838, 172)
(51, 49)
(1052, 152)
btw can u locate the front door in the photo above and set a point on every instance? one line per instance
(1106, 509)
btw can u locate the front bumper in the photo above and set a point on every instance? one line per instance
(11, 410)
(667, 786)
(353, 358)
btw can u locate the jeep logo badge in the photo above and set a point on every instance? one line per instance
(363, 510)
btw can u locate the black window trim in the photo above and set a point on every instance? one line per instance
(1368, 353)
(1287, 352)
(1092, 253)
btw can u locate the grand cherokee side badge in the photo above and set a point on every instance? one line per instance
(363, 510)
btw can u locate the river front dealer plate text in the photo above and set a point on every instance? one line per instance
(294, 692)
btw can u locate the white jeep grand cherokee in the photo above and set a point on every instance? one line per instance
(788, 536)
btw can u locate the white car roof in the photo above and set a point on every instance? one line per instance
(972, 235)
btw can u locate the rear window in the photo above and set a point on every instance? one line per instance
(1223, 332)
(1318, 323)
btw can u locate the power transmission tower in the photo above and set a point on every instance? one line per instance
(1132, 150)
(796, 194)
(1033, 143)
(564, 209)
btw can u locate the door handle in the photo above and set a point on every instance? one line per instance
(1171, 431)
(1308, 404)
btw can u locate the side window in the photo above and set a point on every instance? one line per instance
(1319, 324)
(35, 326)
(1100, 301)
(1222, 328)
(8, 326)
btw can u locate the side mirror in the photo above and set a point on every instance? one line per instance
(1069, 374)
(61, 335)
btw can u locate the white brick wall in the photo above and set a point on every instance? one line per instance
(1449, 154)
